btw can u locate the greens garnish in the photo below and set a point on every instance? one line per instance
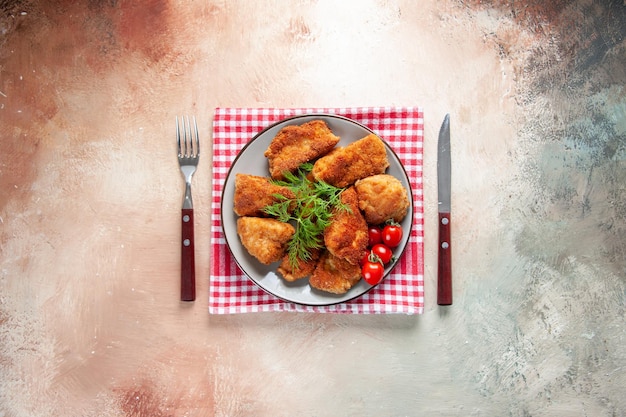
(311, 210)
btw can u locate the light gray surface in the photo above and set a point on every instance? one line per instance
(90, 322)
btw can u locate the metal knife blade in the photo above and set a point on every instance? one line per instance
(444, 189)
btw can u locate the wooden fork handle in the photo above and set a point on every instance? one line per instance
(187, 258)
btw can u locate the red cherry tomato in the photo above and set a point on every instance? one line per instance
(383, 252)
(375, 235)
(372, 272)
(392, 235)
(365, 258)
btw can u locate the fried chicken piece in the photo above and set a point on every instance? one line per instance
(382, 197)
(334, 275)
(265, 239)
(304, 269)
(254, 193)
(360, 159)
(346, 237)
(295, 145)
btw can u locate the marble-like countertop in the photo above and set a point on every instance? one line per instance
(90, 195)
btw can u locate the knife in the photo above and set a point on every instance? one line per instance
(444, 271)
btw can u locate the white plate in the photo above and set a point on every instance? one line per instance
(251, 161)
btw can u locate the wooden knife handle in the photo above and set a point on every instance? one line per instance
(187, 258)
(444, 271)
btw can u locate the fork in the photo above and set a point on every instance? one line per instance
(188, 155)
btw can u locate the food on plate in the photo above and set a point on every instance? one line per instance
(392, 235)
(320, 211)
(381, 198)
(346, 236)
(375, 235)
(302, 269)
(253, 193)
(382, 252)
(265, 239)
(360, 159)
(312, 210)
(334, 275)
(295, 145)
(372, 272)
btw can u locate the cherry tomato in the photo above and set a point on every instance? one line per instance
(392, 235)
(383, 252)
(372, 272)
(375, 235)
(366, 257)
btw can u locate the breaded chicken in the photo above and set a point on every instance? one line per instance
(265, 239)
(334, 275)
(254, 193)
(304, 269)
(346, 237)
(360, 159)
(295, 145)
(382, 197)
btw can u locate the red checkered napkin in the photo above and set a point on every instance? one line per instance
(230, 291)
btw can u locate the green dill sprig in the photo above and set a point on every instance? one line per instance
(310, 210)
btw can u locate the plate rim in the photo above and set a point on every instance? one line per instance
(286, 120)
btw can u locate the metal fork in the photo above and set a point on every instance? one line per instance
(188, 155)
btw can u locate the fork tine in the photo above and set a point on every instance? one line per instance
(180, 149)
(188, 139)
(186, 133)
(195, 125)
